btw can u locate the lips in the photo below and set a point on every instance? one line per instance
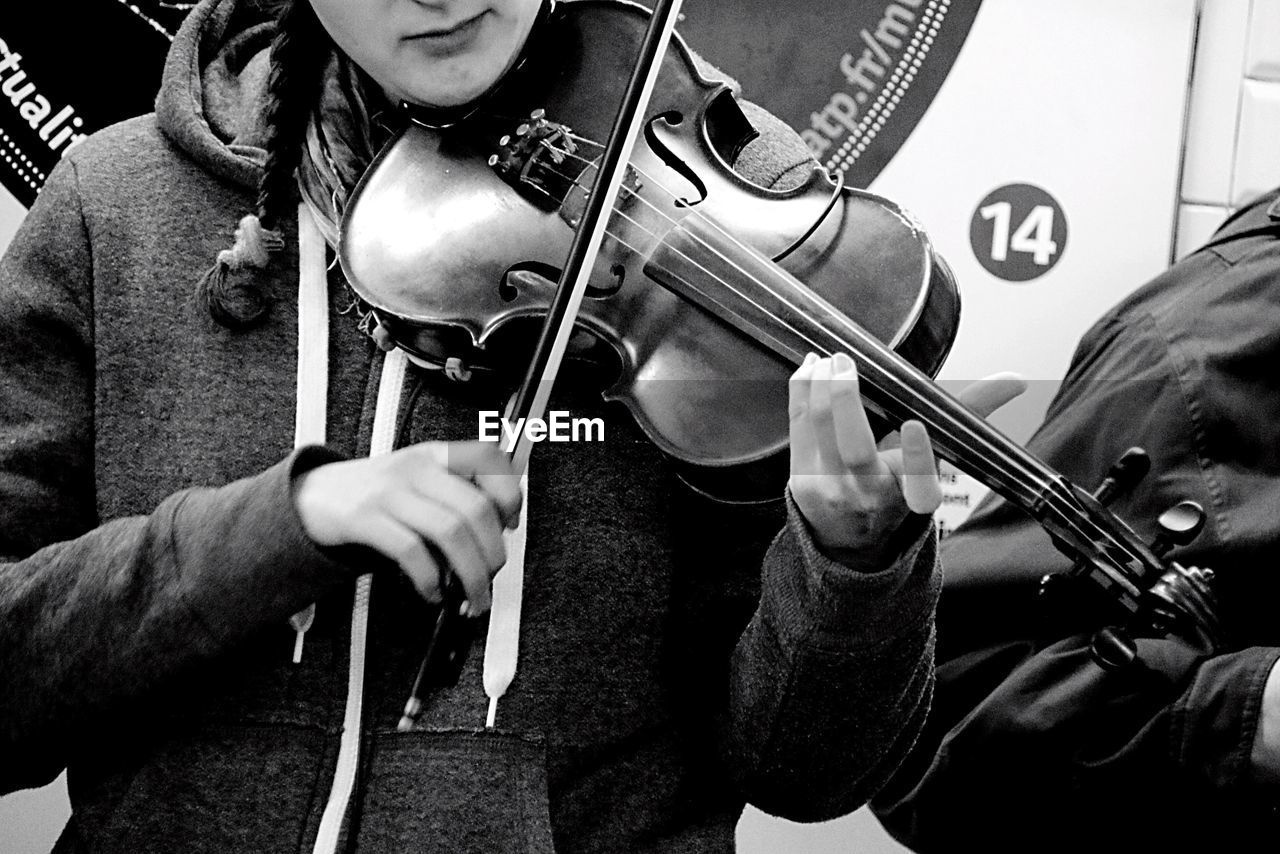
(449, 40)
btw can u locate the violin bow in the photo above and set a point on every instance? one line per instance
(450, 640)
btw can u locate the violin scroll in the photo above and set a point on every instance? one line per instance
(1179, 601)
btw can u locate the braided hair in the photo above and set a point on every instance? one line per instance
(229, 291)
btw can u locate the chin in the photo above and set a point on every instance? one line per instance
(451, 95)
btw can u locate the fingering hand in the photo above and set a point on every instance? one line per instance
(853, 494)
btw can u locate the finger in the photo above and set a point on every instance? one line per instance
(505, 493)
(920, 487)
(471, 458)
(804, 450)
(855, 442)
(445, 529)
(489, 468)
(990, 393)
(400, 543)
(892, 458)
(477, 510)
(823, 421)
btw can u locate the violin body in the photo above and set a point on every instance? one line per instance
(455, 238)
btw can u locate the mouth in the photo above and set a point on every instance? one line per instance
(449, 40)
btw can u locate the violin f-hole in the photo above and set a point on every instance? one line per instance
(673, 118)
(528, 276)
(619, 273)
(536, 276)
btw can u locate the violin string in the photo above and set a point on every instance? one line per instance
(711, 223)
(1044, 489)
(1034, 485)
(1011, 459)
(575, 181)
(884, 380)
(939, 414)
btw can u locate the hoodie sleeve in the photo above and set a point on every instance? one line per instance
(830, 682)
(92, 612)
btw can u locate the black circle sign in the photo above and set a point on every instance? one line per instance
(1018, 232)
(63, 76)
(853, 77)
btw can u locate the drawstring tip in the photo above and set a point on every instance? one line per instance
(493, 713)
(301, 622)
(412, 709)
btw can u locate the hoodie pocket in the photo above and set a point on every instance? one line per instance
(225, 790)
(454, 792)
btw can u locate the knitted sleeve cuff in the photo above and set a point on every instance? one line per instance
(243, 553)
(814, 599)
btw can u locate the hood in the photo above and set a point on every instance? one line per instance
(210, 103)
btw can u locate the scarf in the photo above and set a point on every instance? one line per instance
(351, 121)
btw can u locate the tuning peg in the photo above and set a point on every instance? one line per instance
(1123, 475)
(1113, 649)
(1178, 525)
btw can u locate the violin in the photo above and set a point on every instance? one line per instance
(487, 212)
(707, 290)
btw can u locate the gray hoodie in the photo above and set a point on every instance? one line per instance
(679, 656)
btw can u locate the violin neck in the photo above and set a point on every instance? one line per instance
(707, 266)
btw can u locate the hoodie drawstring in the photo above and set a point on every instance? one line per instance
(312, 391)
(503, 638)
(502, 642)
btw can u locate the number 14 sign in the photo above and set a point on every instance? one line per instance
(1018, 232)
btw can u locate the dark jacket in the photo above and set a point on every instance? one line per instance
(679, 656)
(1032, 746)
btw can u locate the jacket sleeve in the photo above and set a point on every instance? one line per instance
(1061, 743)
(95, 611)
(1028, 733)
(831, 681)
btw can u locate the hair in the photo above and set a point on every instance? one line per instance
(233, 296)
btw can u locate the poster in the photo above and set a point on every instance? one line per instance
(68, 71)
(854, 78)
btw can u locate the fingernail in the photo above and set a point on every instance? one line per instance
(810, 358)
(843, 364)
